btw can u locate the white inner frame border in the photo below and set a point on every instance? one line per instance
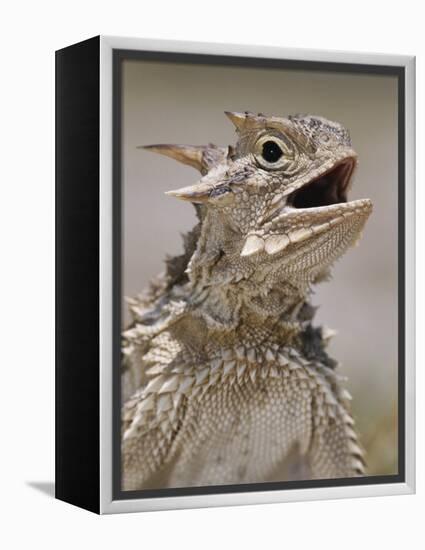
(107, 504)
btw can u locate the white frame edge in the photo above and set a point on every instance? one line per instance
(107, 504)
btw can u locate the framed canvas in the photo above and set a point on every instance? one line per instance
(202, 371)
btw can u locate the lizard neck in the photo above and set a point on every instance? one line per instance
(211, 324)
(212, 292)
(233, 306)
(229, 291)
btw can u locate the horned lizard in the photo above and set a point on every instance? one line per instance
(225, 379)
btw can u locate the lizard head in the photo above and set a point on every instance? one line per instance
(275, 206)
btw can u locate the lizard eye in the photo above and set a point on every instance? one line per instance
(271, 152)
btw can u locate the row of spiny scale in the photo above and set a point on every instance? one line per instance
(158, 401)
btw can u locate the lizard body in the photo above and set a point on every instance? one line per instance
(225, 378)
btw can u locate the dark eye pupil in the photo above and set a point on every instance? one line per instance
(271, 151)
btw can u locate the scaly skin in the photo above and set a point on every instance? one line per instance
(225, 379)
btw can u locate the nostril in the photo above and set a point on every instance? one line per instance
(222, 195)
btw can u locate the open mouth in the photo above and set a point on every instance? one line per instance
(329, 188)
(288, 228)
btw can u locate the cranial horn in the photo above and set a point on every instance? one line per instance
(238, 119)
(245, 120)
(201, 157)
(186, 154)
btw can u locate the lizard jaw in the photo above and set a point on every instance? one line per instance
(294, 226)
(314, 208)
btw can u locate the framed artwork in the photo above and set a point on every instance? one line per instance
(234, 271)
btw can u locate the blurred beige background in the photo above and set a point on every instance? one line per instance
(177, 103)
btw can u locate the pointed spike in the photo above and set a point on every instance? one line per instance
(330, 399)
(155, 384)
(213, 378)
(129, 433)
(216, 364)
(178, 369)
(127, 350)
(170, 384)
(328, 333)
(274, 372)
(305, 362)
(253, 244)
(240, 369)
(176, 397)
(172, 415)
(277, 198)
(228, 367)
(264, 372)
(298, 235)
(200, 157)
(252, 375)
(270, 356)
(294, 366)
(164, 426)
(130, 333)
(204, 389)
(251, 355)
(227, 353)
(186, 383)
(128, 416)
(191, 155)
(156, 369)
(301, 374)
(346, 395)
(240, 352)
(238, 119)
(164, 403)
(196, 391)
(357, 465)
(331, 411)
(355, 449)
(200, 376)
(198, 193)
(351, 433)
(146, 404)
(276, 243)
(348, 419)
(282, 360)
